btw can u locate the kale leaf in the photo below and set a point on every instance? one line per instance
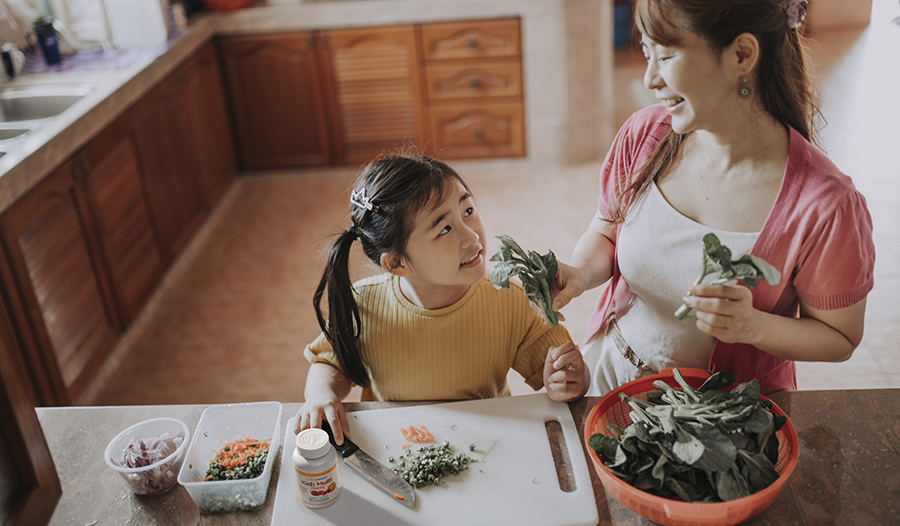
(536, 272)
(717, 258)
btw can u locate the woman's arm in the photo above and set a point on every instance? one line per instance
(326, 386)
(591, 264)
(727, 313)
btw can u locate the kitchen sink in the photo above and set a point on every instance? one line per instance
(12, 133)
(39, 102)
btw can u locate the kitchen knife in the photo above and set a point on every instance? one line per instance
(372, 470)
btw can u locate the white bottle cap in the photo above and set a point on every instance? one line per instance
(313, 443)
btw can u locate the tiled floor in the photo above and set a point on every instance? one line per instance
(234, 313)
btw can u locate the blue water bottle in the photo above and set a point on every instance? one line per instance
(47, 37)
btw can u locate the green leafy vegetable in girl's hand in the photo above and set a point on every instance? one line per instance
(700, 445)
(717, 258)
(536, 272)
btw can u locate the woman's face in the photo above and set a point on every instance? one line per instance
(446, 245)
(689, 80)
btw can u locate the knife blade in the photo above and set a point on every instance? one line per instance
(372, 470)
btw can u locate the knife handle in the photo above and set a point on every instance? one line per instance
(347, 448)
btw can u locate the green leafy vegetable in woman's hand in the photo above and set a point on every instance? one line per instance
(536, 272)
(717, 259)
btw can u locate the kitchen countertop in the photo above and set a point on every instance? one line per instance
(848, 471)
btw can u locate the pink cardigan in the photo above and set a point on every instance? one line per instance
(818, 233)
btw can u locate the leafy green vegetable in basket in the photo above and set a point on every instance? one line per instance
(536, 272)
(717, 258)
(700, 445)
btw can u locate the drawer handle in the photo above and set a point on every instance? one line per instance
(472, 43)
(477, 134)
(75, 174)
(475, 83)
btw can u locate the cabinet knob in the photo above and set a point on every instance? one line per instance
(477, 134)
(85, 166)
(475, 83)
(310, 43)
(471, 43)
(75, 173)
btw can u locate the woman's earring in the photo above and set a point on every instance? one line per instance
(745, 90)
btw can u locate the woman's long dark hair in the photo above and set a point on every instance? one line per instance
(783, 87)
(398, 187)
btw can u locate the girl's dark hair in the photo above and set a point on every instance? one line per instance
(783, 87)
(398, 187)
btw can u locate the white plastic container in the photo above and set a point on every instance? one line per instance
(160, 476)
(316, 470)
(137, 23)
(218, 425)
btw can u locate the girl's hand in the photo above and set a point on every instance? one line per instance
(725, 312)
(570, 283)
(564, 373)
(327, 407)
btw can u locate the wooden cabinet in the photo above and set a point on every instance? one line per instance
(473, 79)
(276, 99)
(63, 306)
(376, 103)
(168, 166)
(208, 125)
(114, 186)
(87, 246)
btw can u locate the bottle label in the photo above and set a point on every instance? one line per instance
(318, 489)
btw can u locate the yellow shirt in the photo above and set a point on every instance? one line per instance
(460, 352)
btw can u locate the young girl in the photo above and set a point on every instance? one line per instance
(432, 327)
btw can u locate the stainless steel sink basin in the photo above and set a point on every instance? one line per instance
(39, 102)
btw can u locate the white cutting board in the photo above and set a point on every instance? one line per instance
(513, 482)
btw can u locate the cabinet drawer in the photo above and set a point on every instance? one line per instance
(489, 129)
(471, 39)
(483, 78)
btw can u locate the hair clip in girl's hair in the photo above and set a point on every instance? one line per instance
(795, 11)
(360, 199)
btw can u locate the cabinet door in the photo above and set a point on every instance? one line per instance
(169, 167)
(64, 308)
(276, 100)
(374, 78)
(113, 184)
(207, 124)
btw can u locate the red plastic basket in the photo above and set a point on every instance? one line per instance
(612, 410)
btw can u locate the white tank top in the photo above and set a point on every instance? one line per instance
(660, 253)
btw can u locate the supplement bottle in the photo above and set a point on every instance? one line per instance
(315, 469)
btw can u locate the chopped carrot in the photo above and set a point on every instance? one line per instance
(404, 446)
(399, 496)
(416, 434)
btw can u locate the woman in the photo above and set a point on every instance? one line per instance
(729, 150)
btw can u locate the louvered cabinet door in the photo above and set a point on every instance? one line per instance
(62, 305)
(113, 184)
(275, 96)
(374, 78)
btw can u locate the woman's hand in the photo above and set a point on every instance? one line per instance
(564, 373)
(324, 407)
(570, 283)
(724, 312)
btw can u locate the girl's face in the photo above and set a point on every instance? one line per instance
(689, 80)
(445, 251)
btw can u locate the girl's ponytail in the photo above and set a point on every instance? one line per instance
(342, 328)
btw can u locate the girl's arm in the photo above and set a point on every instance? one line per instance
(326, 386)
(591, 264)
(727, 313)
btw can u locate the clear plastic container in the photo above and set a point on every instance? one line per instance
(155, 478)
(220, 424)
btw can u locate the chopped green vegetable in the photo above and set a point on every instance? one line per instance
(471, 447)
(536, 272)
(717, 258)
(700, 445)
(430, 464)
